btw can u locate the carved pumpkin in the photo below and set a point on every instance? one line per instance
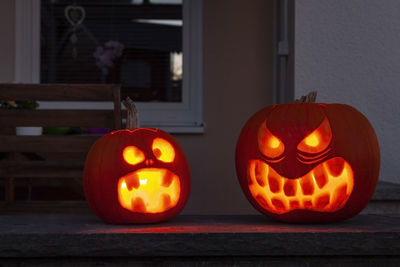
(308, 162)
(136, 176)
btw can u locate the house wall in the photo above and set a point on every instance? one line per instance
(237, 82)
(7, 40)
(348, 50)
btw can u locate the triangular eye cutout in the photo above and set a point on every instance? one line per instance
(318, 140)
(269, 145)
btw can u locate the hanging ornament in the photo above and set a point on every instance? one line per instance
(75, 16)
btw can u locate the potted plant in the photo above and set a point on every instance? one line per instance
(23, 130)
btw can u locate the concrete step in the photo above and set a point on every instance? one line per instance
(252, 240)
(386, 199)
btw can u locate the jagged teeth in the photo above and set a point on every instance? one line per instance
(335, 166)
(132, 181)
(138, 204)
(290, 188)
(260, 173)
(149, 190)
(320, 177)
(307, 185)
(167, 179)
(274, 182)
(325, 188)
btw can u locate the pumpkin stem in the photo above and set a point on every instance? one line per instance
(310, 97)
(132, 116)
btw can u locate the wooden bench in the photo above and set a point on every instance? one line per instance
(26, 159)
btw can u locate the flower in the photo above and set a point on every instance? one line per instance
(107, 54)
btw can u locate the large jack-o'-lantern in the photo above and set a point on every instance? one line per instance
(137, 175)
(308, 162)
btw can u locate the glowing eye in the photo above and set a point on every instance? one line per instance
(163, 150)
(274, 142)
(269, 144)
(133, 155)
(318, 140)
(312, 140)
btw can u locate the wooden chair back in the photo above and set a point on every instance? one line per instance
(49, 156)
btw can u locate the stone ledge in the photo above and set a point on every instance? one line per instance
(197, 236)
(387, 191)
(386, 199)
(247, 261)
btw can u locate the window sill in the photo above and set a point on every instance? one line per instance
(179, 129)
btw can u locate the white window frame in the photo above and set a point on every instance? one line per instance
(182, 117)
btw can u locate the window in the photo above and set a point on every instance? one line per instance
(150, 40)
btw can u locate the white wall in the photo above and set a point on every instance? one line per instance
(349, 51)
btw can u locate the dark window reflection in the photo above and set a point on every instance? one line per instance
(137, 43)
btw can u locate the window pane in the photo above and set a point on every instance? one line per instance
(137, 43)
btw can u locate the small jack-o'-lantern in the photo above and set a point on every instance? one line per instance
(137, 175)
(308, 162)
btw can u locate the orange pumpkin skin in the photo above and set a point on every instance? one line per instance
(308, 162)
(106, 167)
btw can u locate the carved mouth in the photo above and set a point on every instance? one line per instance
(149, 190)
(325, 188)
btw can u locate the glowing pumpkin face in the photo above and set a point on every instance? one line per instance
(136, 176)
(308, 162)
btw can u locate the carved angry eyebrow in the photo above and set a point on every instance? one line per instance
(318, 140)
(269, 144)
